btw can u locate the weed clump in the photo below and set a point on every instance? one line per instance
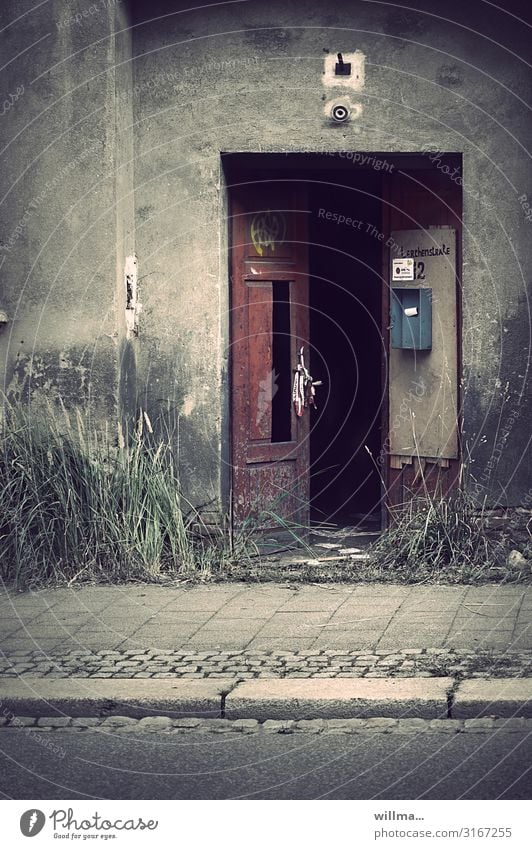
(74, 505)
(443, 537)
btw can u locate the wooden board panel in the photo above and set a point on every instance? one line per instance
(416, 201)
(424, 384)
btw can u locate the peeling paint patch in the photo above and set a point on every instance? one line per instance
(62, 378)
(449, 75)
(133, 307)
(188, 405)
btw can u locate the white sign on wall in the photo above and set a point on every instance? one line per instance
(403, 269)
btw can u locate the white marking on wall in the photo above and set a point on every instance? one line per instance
(188, 405)
(133, 307)
(356, 78)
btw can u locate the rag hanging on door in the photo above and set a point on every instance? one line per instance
(304, 392)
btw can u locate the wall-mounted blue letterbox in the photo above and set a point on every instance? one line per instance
(411, 319)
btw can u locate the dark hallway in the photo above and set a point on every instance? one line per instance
(345, 332)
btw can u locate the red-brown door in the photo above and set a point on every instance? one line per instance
(269, 323)
(422, 217)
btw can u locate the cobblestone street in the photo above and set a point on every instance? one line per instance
(326, 663)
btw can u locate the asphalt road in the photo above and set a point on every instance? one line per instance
(140, 765)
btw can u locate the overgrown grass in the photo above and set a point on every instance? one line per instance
(444, 538)
(433, 539)
(74, 506)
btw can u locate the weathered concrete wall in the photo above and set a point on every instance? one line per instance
(60, 224)
(128, 343)
(102, 157)
(249, 77)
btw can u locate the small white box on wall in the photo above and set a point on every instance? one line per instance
(354, 80)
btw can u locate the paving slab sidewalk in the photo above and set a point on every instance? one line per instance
(239, 632)
(267, 617)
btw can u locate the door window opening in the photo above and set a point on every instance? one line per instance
(281, 378)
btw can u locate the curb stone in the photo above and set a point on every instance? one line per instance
(408, 699)
(502, 697)
(339, 698)
(104, 697)
(374, 725)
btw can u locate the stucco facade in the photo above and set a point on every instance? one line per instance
(113, 148)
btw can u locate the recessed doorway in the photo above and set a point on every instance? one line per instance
(311, 239)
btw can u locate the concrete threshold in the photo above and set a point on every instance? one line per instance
(267, 699)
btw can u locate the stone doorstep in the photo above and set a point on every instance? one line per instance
(262, 699)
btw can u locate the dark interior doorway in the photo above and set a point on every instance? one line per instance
(345, 262)
(346, 216)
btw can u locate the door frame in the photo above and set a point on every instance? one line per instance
(237, 167)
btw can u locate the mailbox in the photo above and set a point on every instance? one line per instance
(411, 319)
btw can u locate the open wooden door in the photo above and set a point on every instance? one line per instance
(269, 323)
(422, 224)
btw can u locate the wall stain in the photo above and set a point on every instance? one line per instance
(449, 76)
